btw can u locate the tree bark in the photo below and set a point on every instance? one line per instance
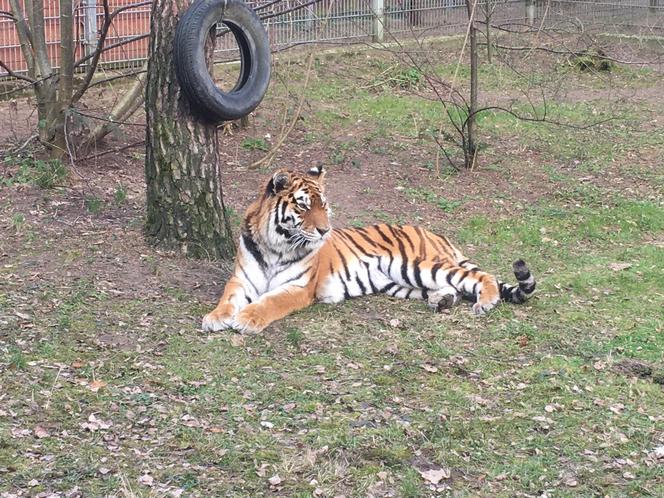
(185, 206)
(470, 146)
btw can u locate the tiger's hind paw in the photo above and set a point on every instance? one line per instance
(443, 299)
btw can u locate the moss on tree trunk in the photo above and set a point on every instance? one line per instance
(185, 206)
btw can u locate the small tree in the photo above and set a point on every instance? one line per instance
(55, 90)
(185, 205)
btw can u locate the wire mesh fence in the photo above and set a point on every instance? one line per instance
(295, 22)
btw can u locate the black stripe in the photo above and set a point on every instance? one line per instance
(404, 272)
(373, 287)
(248, 299)
(423, 253)
(407, 237)
(402, 253)
(284, 205)
(410, 291)
(434, 269)
(281, 230)
(445, 244)
(343, 262)
(475, 285)
(461, 263)
(359, 282)
(528, 289)
(362, 233)
(346, 293)
(250, 244)
(297, 276)
(418, 273)
(382, 235)
(295, 259)
(463, 277)
(387, 287)
(450, 276)
(348, 237)
(249, 280)
(425, 294)
(276, 213)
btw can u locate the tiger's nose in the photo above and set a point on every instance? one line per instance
(322, 231)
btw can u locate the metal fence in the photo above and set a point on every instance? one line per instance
(293, 22)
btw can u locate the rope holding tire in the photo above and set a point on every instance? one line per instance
(206, 99)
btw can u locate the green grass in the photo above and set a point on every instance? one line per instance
(45, 174)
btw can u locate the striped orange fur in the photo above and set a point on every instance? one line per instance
(289, 257)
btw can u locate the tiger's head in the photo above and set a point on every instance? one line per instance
(295, 213)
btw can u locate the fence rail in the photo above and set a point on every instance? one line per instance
(327, 21)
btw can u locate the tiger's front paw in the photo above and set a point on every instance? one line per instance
(250, 319)
(219, 319)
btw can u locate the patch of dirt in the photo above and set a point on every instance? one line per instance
(636, 368)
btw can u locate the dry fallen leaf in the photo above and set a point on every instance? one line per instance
(620, 266)
(237, 340)
(288, 407)
(274, 480)
(146, 480)
(429, 367)
(40, 432)
(96, 385)
(435, 475)
(617, 408)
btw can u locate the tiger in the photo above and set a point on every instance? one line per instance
(289, 257)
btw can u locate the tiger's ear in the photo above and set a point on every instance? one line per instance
(279, 181)
(317, 171)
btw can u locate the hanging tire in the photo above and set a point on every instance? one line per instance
(207, 100)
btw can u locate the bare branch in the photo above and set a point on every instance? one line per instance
(126, 41)
(118, 77)
(111, 151)
(99, 49)
(16, 75)
(95, 56)
(42, 64)
(24, 35)
(575, 53)
(100, 118)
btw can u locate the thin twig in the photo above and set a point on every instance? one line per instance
(118, 77)
(92, 116)
(574, 53)
(16, 75)
(273, 151)
(111, 151)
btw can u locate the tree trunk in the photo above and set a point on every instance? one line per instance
(123, 109)
(66, 76)
(185, 207)
(470, 146)
(487, 23)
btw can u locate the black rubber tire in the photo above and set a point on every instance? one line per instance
(207, 100)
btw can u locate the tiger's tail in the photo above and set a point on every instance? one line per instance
(525, 287)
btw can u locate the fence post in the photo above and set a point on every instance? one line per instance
(530, 11)
(654, 5)
(378, 10)
(90, 25)
(310, 16)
